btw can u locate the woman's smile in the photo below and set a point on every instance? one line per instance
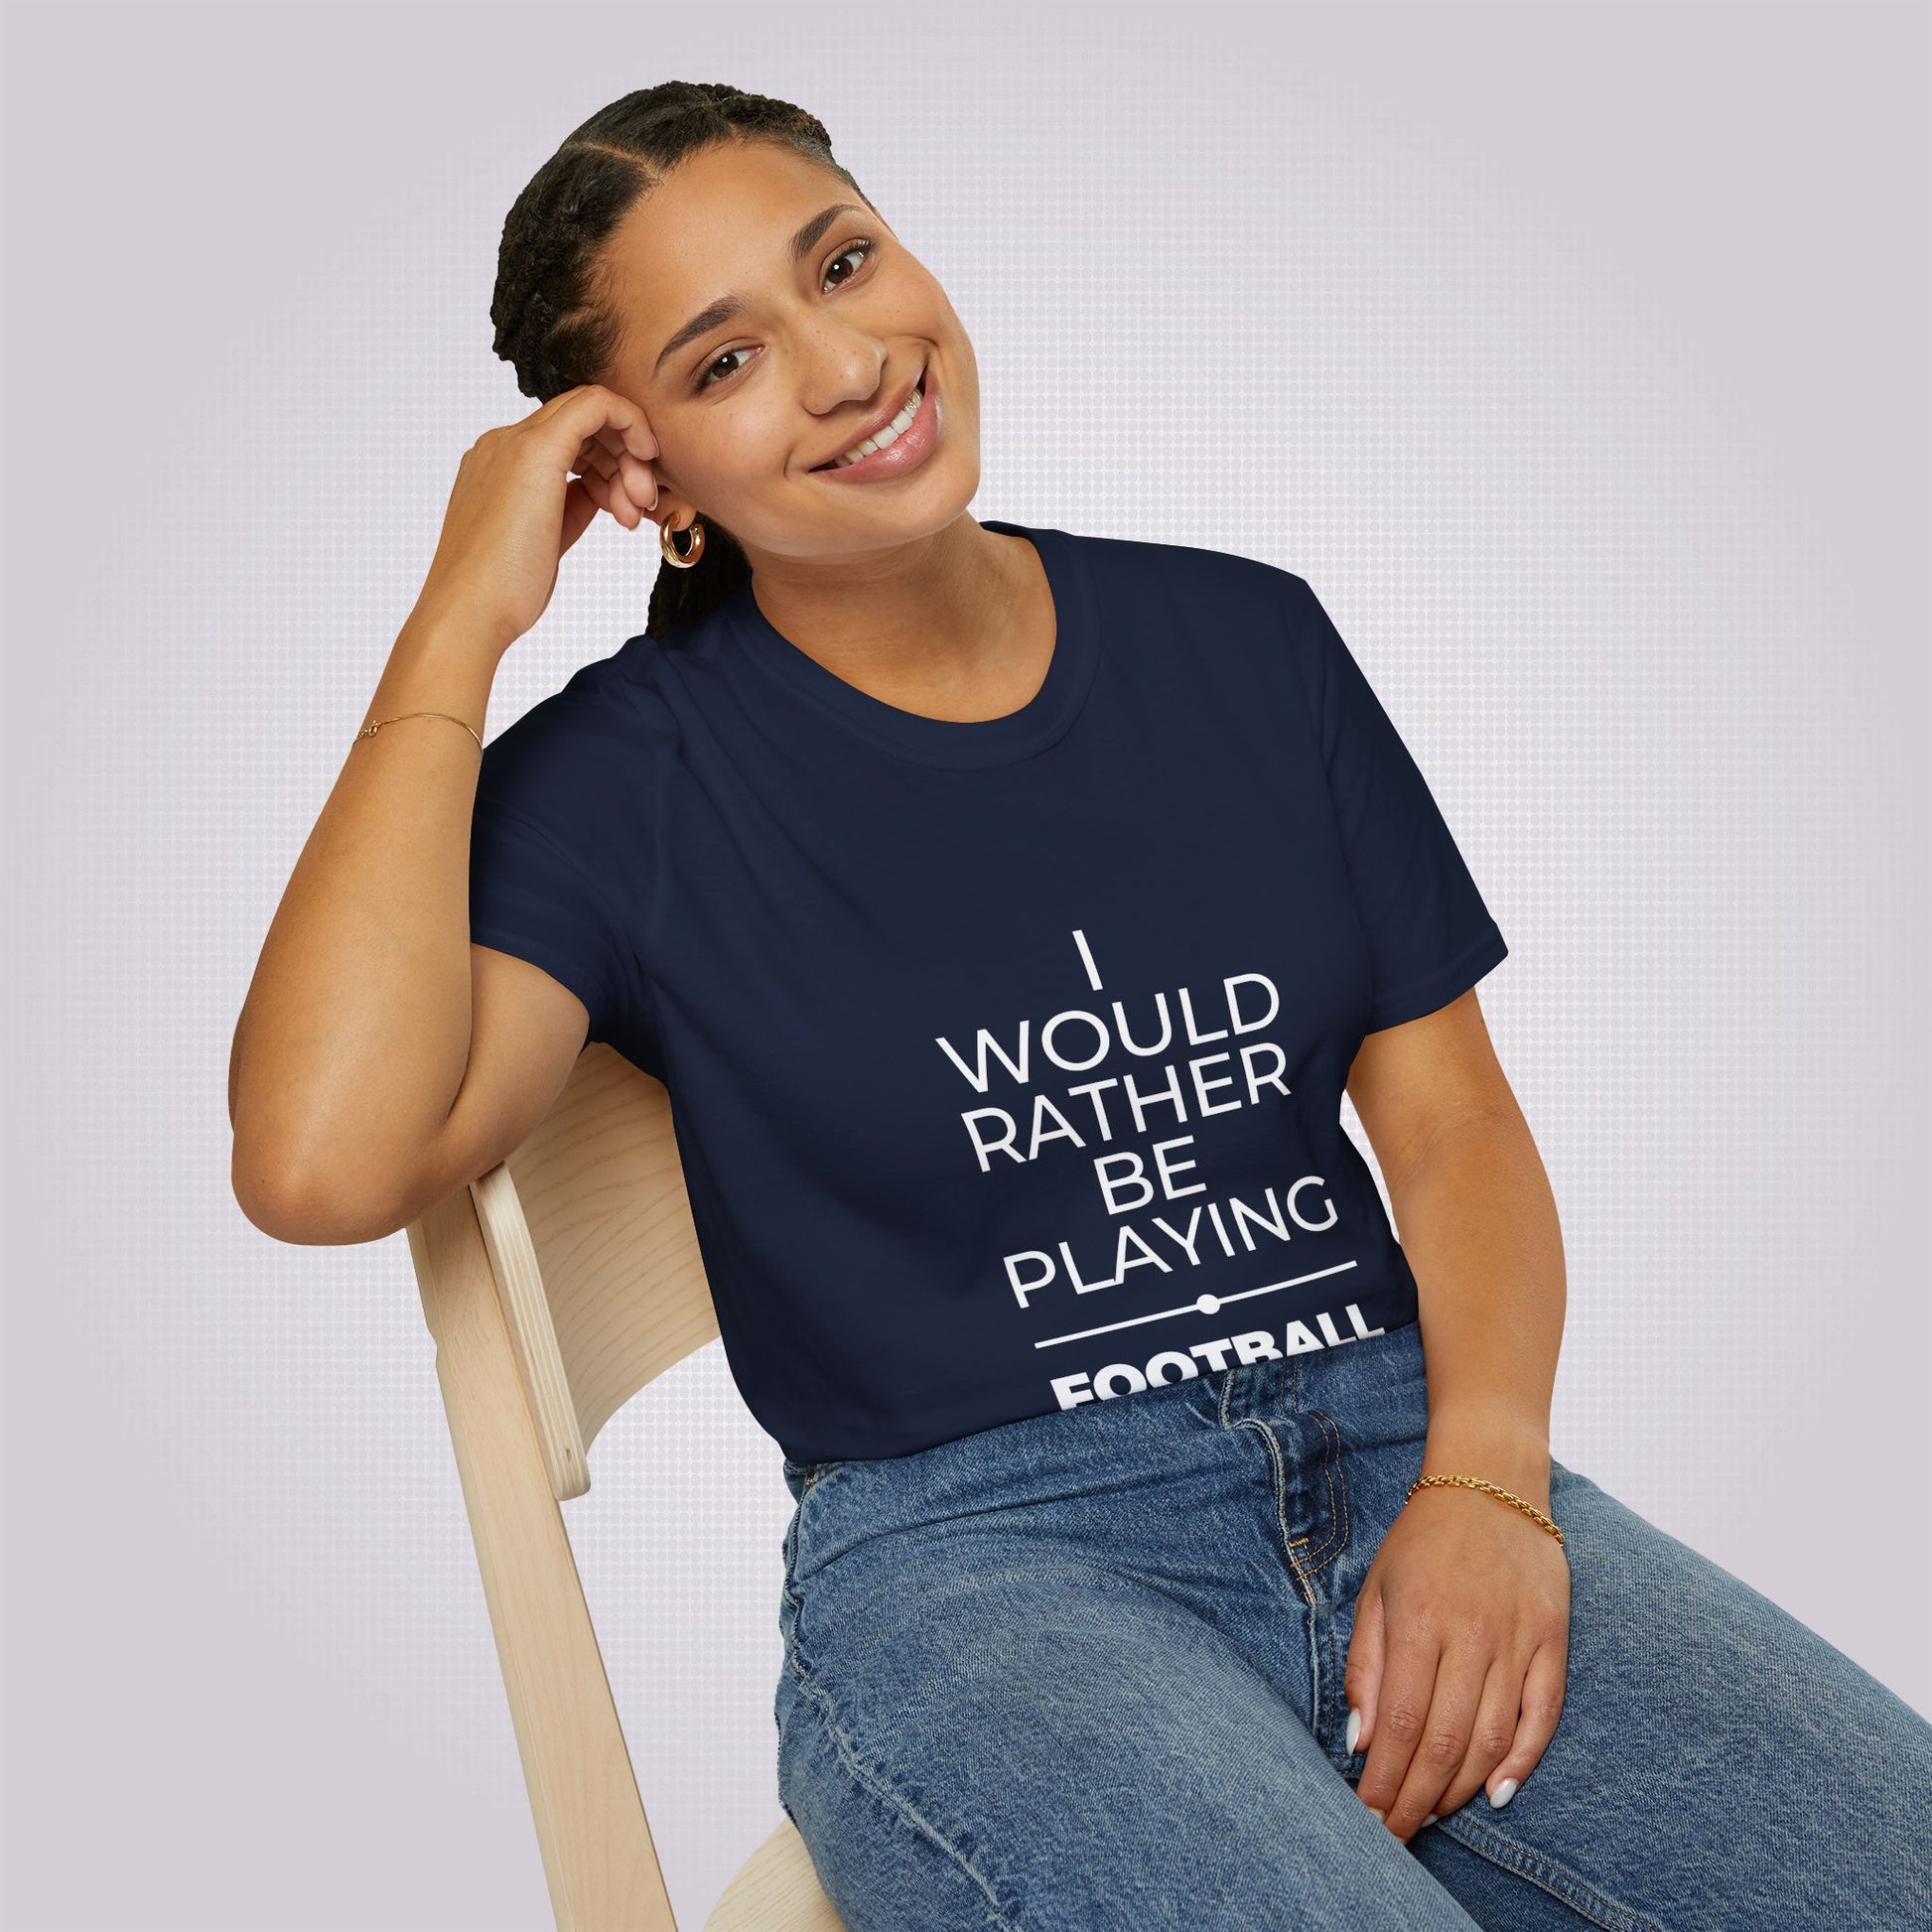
(900, 446)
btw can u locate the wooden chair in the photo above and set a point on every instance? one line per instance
(557, 1285)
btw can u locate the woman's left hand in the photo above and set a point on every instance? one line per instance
(1459, 1655)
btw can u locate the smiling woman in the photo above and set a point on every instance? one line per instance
(680, 247)
(1140, 1575)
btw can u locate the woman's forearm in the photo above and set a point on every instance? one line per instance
(1477, 1220)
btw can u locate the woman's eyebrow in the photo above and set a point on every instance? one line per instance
(731, 303)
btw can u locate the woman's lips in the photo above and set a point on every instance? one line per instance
(905, 453)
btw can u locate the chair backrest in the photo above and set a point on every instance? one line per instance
(589, 1232)
(557, 1285)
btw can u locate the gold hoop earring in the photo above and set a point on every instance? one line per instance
(667, 543)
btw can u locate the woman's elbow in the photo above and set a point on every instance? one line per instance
(305, 1208)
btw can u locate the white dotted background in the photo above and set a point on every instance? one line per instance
(1575, 354)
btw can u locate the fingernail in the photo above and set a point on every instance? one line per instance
(1355, 1731)
(1431, 1818)
(1502, 1794)
(1378, 1815)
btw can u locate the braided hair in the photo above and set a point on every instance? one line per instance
(550, 308)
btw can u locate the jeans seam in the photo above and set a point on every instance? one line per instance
(1278, 1470)
(1306, 1566)
(881, 1787)
(1338, 1495)
(1325, 1704)
(1560, 1883)
(1327, 1713)
(1318, 1637)
(791, 1633)
(789, 1588)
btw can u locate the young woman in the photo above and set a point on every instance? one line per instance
(1006, 911)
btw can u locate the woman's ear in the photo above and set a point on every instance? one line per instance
(672, 507)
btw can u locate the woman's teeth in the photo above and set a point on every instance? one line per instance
(887, 436)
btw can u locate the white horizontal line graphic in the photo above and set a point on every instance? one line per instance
(1202, 1305)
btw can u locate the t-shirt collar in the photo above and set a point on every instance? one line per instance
(1038, 722)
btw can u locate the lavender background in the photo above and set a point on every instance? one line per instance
(1575, 354)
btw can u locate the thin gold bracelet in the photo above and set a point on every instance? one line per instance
(370, 731)
(1490, 1488)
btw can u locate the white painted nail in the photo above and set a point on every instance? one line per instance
(1502, 1794)
(1378, 1815)
(1431, 1818)
(1355, 1731)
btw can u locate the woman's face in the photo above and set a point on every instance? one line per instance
(749, 405)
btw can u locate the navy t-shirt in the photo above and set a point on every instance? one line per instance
(1006, 1056)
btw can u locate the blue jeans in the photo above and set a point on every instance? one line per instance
(1085, 1670)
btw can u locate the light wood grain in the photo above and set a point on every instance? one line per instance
(557, 1285)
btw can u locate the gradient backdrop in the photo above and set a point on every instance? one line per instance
(1576, 354)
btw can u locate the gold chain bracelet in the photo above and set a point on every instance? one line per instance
(370, 731)
(1490, 1488)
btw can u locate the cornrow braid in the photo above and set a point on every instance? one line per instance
(551, 307)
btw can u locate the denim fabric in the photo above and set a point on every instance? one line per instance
(1085, 1670)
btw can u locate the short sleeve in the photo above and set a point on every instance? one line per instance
(528, 896)
(1431, 936)
(543, 796)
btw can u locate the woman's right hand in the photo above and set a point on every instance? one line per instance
(524, 494)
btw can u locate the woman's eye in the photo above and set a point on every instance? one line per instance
(722, 367)
(707, 373)
(862, 249)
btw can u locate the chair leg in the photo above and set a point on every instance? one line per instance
(597, 1854)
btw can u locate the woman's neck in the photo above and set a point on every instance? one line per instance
(958, 625)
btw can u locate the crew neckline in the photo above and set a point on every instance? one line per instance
(952, 742)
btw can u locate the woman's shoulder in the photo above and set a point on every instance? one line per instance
(1197, 567)
(591, 729)
(1232, 602)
